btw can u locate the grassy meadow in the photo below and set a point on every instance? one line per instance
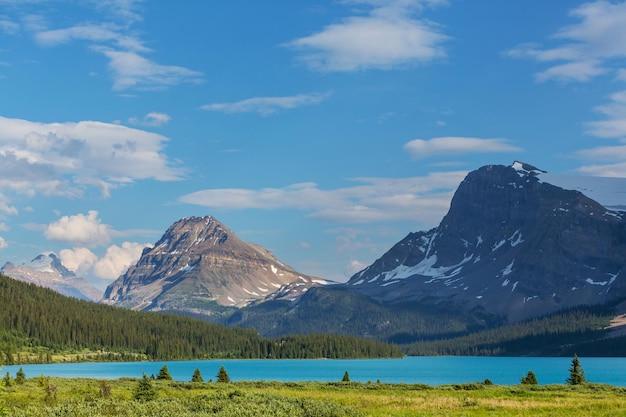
(46, 396)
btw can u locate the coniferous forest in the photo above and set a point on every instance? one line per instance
(40, 322)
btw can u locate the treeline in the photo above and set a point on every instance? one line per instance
(37, 319)
(552, 335)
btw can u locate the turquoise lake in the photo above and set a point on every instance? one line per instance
(427, 370)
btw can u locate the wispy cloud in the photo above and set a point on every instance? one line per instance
(267, 105)
(152, 119)
(387, 36)
(607, 161)
(586, 49)
(131, 70)
(420, 148)
(423, 199)
(114, 38)
(8, 27)
(614, 126)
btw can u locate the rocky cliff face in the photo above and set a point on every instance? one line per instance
(46, 270)
(510, 245)
(198, 266)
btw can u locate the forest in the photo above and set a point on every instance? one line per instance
(36, 324)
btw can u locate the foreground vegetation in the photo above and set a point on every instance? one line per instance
(43, 396)
(38, 325)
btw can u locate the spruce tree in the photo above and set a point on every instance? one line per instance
(144, 391)
(530, 379)
(7, 380)
(222, 376)
(164, 374)
(346, 377)
(20, 376)
(576, 372)
(197, 376)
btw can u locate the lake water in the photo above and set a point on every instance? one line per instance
(427, 370)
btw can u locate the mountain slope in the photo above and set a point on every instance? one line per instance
(510, 245)
(46, 270)
(199, 267)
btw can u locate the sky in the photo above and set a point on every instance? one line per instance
(325, 131)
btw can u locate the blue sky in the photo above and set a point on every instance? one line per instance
(323, 130)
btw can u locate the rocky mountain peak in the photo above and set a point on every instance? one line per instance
(199, 264)
(510, 244)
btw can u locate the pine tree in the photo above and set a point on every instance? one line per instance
(144, 391)
(197, 376)
(346, 377)
(164, 373)
(20, 376)
(530, 379)
(222, 376)
(576, 373)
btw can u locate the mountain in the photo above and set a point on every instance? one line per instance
(46, 270)
(200, 267)
(511, 245)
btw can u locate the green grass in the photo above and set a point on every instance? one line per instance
(42, 396)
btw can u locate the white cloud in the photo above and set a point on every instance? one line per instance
(386, 37)
(4, 227)
(3, 243)
(152, 119)
(419, 148)
(81, 230)
(423, 199)
(115, 261)
(79, 260)
(131, 70)
(587, 48)
(267, 105)
(64, 158)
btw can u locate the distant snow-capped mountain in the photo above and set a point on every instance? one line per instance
(46, 270)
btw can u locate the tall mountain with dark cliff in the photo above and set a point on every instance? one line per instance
(511, 245)
(200, 267)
